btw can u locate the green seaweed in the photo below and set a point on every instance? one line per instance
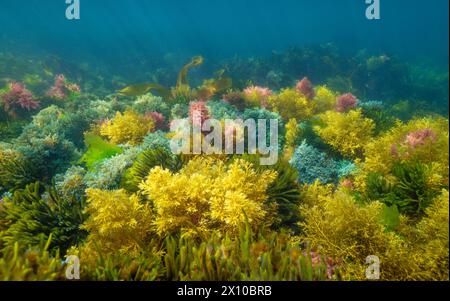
(249, 256)
(284, 192)
(390, 217)
(35, 213)
(98, 150)
(36, 264)
(147, 161)
(412, 190)
(16, 172)
(409, 191)
(10, 130)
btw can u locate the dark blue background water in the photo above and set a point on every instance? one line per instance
(117, 29)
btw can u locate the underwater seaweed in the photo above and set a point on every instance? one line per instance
(264, 114)
(117, 222)
(292, 137)
(141, 89)
(283, 193)
(409, 189)
(57, 90)
(417, 138)
(33, 215)
(146, 161)
(182, 92)
(324, 100)
(257, 96)
(198, 113)
(388, 149)
(306, 88)
(158, 119)
(108, 173)
(347, 133)
(313, 165)
(251, 256)
(290, 103)
(235, 99)
(356, 177)
(97, 150)
(220, 110)
(150, 103)
(17, 99)
(182, 75)
(206, 192)
(346, 102)
(15, 170)
(127, 128)
(155, 140)
(378, 112)
(71, 183)
(32, 264)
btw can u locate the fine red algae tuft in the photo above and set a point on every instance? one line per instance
(346, 102)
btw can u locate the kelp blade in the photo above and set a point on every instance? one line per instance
(182, 75)
(141, 89)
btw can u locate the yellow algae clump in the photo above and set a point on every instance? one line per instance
(118, 221)
(290, 103)
(424, 140)
(128, 127)
(256, 96)
(349, 232)
(207, 193)
(433, 237)
(325, 100)
(347, 133)
(292, 134)
(336, 225)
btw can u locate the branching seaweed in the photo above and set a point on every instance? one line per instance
(34, 214)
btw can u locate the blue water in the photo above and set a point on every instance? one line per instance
(131, 29)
